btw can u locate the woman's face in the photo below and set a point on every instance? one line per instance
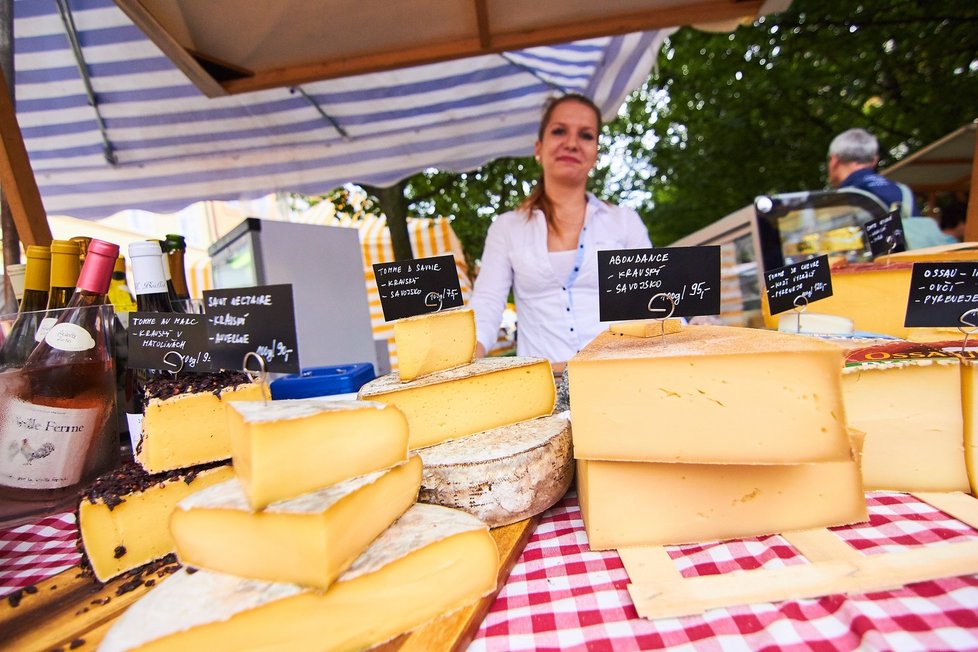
(569, 148)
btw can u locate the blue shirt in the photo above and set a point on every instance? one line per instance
(888, 191)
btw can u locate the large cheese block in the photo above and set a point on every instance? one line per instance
(501, 475)
(957, 251)
(709, 394)
(906, 398)
(488, 393)
(969, 406)
(183, 424)
(432, 561)
(434, 342)
(308, 540)
(289, 447)
(123, 517)
(641, 503)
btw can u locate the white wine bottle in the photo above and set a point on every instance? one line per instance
(37, 278)
(59, 427)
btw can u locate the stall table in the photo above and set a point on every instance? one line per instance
(562, 596)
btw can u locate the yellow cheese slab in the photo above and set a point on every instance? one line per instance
(709, 394)
(307, 540)
(190, 429)
(289, 447)
(910, 413)
(136, 531)
(489, 393)
(958, 251)
(646, 327)
(432, 561)
(969, 406)
(434, 342)
(642, 504)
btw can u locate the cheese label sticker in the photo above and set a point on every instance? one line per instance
(257, 320)
(901, 352)
(798, 284)
(418, 286)
(885, 235)
(943, 294)
(658, 283)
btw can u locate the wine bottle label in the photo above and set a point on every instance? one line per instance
(43, 328)
(44, 447)
(135, 422)
(150, 287)
(69, 337)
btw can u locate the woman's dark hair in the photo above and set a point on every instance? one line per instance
(538, 198)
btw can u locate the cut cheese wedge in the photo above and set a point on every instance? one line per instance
(307, 540)
(123, 517)
(906, 399)
(289, 447)
(642, 504)
(709, 394)
(432, 561)
(434, 342)
(488, 393)
(189, 429)
(646, 327)
(501, 475)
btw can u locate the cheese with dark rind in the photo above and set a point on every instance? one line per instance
(486, 394)
(432, 561)
(502, 475)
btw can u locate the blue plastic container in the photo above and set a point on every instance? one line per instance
(323, 381)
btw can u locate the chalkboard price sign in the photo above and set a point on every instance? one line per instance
(940, 293)
(168, 341)
(630, 280)
(885, 235)
(798, 284)
(418, 286)
(254, 319)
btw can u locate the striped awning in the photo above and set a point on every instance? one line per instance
(134, 132)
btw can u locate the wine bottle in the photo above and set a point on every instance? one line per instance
(175, 248)
(152, 295)
(64, 274)
(15, 274)
(59, 430)
(37, 278)
(119, 294)
(175, 304)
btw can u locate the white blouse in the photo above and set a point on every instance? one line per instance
(556, 312)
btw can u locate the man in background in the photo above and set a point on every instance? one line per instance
(853, 156)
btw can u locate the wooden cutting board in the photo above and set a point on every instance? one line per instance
(71, 611)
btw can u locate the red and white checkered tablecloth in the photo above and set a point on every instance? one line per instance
(562, 596)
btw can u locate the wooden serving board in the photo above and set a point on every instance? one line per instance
(72, 611)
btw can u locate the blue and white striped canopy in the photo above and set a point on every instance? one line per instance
(170, 145)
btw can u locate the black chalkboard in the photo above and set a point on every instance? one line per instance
(154, 336)
(629, 281)
(810, 279)
(418, 286)
(940, 294)
(885, 235)
(254, 319)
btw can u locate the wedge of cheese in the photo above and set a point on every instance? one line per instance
(190, 428)
(709, 394)
(646, 327)
(501, 475)
(969, 405)
(432, 561)
(906, 399)
(289, 447)
(488, 393)
(434, 342)
(641, 504)
(123, 517)
(308, 540)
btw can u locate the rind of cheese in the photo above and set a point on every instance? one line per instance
(486, 394)
(434, 342)
(190, 429)
(430, 562)
(502, 475)
(138, 527)
(290, 447)
(638, 504)
(309, 540)
(813, 322)
(709, 394)
(910, 412)
(646, 327)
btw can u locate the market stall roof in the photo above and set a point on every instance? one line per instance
(110, 122)
(944, 165)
